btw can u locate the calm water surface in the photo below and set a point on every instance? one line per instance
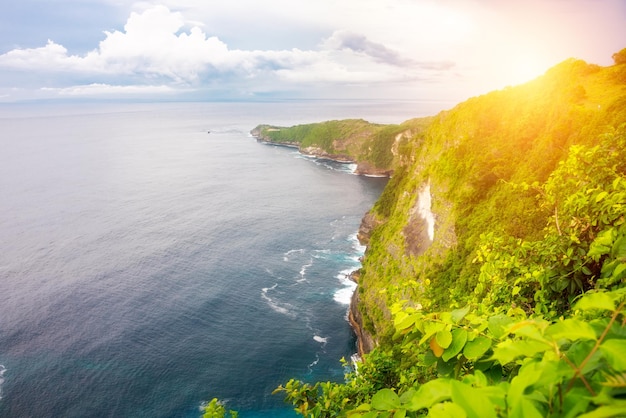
(147, 266)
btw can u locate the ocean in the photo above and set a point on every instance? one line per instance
(155, 256)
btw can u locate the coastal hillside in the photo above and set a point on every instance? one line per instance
(508, 173)
(493, 284)
(373, 147)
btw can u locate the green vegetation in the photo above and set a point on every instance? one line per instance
(215, 409)
(517, 306)
(459, 364)
(371, 145)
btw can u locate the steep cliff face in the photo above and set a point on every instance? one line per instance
(469, 173)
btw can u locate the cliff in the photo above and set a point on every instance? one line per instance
(464, 179)
(483, 168)
(495, 268)
(373, 147)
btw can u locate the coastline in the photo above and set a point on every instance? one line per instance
(365, 342)
(363, 167)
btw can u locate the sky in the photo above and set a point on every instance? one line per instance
(294, 49)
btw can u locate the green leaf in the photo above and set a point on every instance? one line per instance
(576, 402)
(525, 409)
(444, 368)
(407, 396)
(498, 324)
(528, 375)
(600, 301)
(363, 407)
(530, 328)
(507, 351)
(614, 351)
(619, 248)
(601, 196)
(444, 338)
(606, 411)
(430, 329)
(430, 393)
(579, 351)
(446, 410)
(619, 270)
(473, 401)
(459, 314)
(571, 329)
(459, 338)
(400, 413)
(476, 348)
(429, 358)
(385, 400)
(403, 321)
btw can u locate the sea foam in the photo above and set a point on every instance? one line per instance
(281, 308)
(2, 370)
(344, 294)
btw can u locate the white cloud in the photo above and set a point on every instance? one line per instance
(51, 56)
(454, 48)
(157, 46)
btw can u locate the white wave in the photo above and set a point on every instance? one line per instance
(281, 308)
(356, 244)
(317, 360)
(304, 268)
(321, 254)
(344, 276)
(344, 294)
(2, 370)
(299, 251)
(290, 252)
(321, 340)
(355, 359)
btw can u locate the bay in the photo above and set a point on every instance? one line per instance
(154, 256)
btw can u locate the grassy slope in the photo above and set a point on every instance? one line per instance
(471, 155)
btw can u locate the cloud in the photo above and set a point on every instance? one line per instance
(360, 44)
(51, 56)
(159, 47)
(346, 40)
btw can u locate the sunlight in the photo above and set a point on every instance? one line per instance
(525, 68)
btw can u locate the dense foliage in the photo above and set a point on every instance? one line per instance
(459, 364)
(517, 306)
(515, 170)
(351, 139)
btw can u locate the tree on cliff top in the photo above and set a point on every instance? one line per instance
(619, 57)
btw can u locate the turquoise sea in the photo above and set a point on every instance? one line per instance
(154, 256)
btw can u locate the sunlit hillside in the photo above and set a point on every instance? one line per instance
(514, 306)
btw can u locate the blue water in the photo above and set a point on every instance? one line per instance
(147, 266)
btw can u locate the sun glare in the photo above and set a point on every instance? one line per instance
(525, 68)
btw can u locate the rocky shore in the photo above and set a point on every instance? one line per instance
(363, 168)
(365, 341)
